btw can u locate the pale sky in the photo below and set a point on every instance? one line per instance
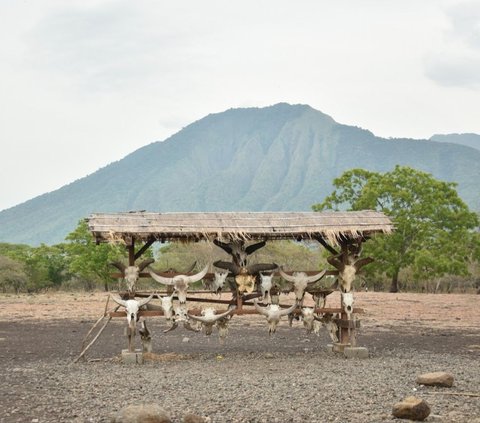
(84, 83)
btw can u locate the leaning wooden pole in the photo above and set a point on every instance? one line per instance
(93, 340)
(97, 323)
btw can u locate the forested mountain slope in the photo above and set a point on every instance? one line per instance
(282, 157)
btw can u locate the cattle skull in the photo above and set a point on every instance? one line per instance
(265, 286)
(347, 303)
(132, 308)
(219, 281)
(245, 282)
(320, 299)
(330, 325)
(132, 273)
(180, 316)
(308, 318)
(167, 305)
(146, 337)
(209, 318)
(274, 313)
(332, 330)
(222, 326)
(300, 280)
(238, 251)
(180, 283)
(348, 265)
(245, 276)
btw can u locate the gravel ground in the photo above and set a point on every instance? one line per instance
(289, 377)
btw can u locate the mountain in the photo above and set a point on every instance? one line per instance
(470, 140)
(282, 157)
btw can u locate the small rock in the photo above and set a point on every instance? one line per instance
(436, 379)
(186, 339)
(193, 418)
(411, 408)
(269, 355)
(151, 413)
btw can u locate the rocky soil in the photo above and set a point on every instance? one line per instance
(289, 377)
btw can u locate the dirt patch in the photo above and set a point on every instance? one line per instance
(288, 377)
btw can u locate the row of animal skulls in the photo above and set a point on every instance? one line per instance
(245, 278)
(209, 316)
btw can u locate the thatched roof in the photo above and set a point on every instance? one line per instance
(331, 226)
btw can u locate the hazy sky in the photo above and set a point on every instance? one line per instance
(84, 83)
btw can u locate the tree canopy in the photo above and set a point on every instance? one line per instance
(433, 226)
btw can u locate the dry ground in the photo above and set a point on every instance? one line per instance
(252, 378)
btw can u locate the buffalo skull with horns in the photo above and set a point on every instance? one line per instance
(300, 281)
(348, 264)
(274, 313)
(132, 307)
(238, 251)
(180, 283)
(245, 276)
(132, 273)
(209, 318)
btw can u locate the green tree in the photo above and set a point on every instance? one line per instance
(88, 260)
(433, 226)
(12, 275)
(18, 252)
(46, 266)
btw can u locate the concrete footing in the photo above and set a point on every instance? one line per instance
(355, 352)
(339, 348)
(135, 357)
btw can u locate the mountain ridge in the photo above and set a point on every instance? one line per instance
(277, 158)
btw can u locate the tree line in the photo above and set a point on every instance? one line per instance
(435, 246)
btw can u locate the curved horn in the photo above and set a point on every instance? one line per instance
(225, 247)
(118, 300)
(288, 278)
(255, 268)
(161, 279)
(335, 262)
(315, 278)
(202, 319)
(119, 265)
(190, 269)
(198, 276)
(217, 316)
(146, 263)
(144, 301)
(173, 327)
(260, 309)
(252, 248)
(285, 311)
(362, 262)
(227, 265)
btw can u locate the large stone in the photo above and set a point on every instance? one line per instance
(436, 379)
(411, 408)
(142, 413)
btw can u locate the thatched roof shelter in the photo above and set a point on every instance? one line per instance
(329, 226)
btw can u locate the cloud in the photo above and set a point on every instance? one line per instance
(107, 46)
(457, 63)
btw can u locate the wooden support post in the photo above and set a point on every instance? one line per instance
(131, 253)
(145, 247)
(239, 302)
